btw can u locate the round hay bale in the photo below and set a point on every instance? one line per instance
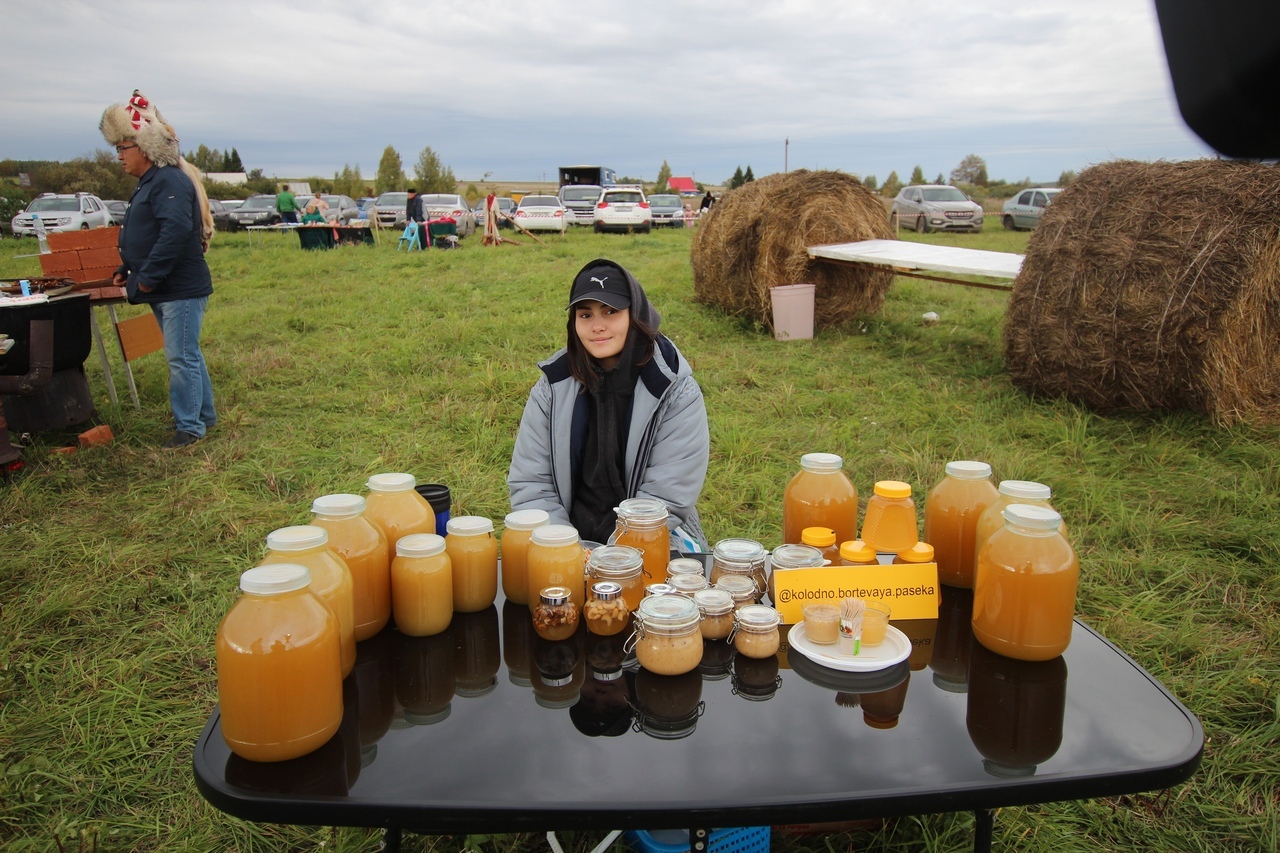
(757, 236)
(1155, 286)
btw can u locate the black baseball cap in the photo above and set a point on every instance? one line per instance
(601, 284)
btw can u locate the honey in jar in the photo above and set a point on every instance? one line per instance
(921, 552)
(951, 512)
(667, 638)
(422, 585)
(556, 559)
(621, 564)
(889, 524)
(1009, 492)
(473, 557)
(745, 557)
(363, 546)
(394, 506)
(1024, 594)
(824, 539)
(642, 524)
(308, 545)
(819, 495)
(517, 534)
(279, 666)
(857, 553)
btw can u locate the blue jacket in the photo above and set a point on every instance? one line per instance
(160, 239)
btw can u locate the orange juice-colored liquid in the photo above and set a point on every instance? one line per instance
(515, 565)
(814, 499)
(475, 570)
(992, 520)
(279, 675)
(951, 513)
(890, 524)
(422, 594)
(364, 547)
(654, 542)
(331, 581)
(1024, 594)
(399, 514)
(561, 565)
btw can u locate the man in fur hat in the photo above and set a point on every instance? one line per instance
(166, 232)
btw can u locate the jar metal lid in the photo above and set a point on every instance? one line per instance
(526, 519)
(739, 551)
(275, 578)
(687, 584)
(757, 617)
(739, 586)
(469, 525)
(419, 545)
(392, 482)
(685, 566)
(713, 602)
(554, 595)
(338, 506)
(616, 561)
(893, 489)
(968, 470)
(555, 534)
(819, 537)
(1025, 489)
(796, 557)
(1030, 515)
(821, 463)
(301, 537)
(606, 590)
(641, 509)
(668, 612)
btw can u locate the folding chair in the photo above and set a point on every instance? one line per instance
(411, 237)
(138, 336)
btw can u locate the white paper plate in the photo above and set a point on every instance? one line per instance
(895, 649)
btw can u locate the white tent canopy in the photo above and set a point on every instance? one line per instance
(903, 255)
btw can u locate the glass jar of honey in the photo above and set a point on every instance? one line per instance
(421, 585)
(921, 552)
(621, 564)
(857, 553)
(667, 638)
(308, 545)
(824, 539)
(1008, 493)
(556, 616)
(473, 556)
(687, 584)
(1024, 594)
(742, 590)
(791, 557)
(819, 495)
(755, 631)
(363, 546)
(517, 536)
(716, 607)
(556, 559)
(394, 506)
(889, 524)
(279, 666)
(951, 512)
(606, 611)
(642, 524)
(745, 557)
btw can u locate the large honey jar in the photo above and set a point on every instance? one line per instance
(819, 495)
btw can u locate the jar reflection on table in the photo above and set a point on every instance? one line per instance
(668, 706)
(954, 640)
(374, 675)
(603, 708)
(517, 642)
(322, 772)
(477, 653)
(606, 653)
(880, 710)
(756, 679)
(921, 633)
(559, 669)
(1015, 711)
(717, 658)
(426, 676)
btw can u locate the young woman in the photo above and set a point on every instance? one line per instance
(616, 414)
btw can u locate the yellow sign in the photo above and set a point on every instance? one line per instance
(911, 590)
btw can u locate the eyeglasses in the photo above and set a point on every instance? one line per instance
(122, 148)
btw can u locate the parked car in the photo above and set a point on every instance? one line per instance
(1023, 211)
(389, 208)
(117, 210)
(667, 210)
(437, 205)
(221, 216)
(365, 205)
(935, 207)
(62, 212)
(622, 209)
(580, 200)
(541, 213)
(256, 210)
(232, 203)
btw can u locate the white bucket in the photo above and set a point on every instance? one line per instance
(792, 312)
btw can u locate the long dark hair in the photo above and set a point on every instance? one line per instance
(585, 368)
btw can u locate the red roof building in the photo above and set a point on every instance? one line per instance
(682, 185)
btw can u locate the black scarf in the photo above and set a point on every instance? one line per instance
(602, 483)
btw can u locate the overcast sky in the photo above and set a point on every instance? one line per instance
(513, 90)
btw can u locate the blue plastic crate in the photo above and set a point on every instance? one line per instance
(743, 839)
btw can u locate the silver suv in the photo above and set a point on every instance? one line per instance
(935, 207)
(390, 209)
(62, 212)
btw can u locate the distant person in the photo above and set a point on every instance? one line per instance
(413, 212)
(317, 202)
(314, 213)
(707, 201)
(287, 205)
(162, 246)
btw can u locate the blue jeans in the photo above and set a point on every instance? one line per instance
(190, 392)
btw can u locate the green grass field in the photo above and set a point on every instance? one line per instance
(117, 563)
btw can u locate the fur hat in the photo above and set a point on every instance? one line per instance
(139, 121)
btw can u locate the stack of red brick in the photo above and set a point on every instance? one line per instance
(88, 258)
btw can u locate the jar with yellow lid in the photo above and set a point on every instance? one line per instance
(606, 611)
(642, 524)
(824, 539)
(792, 557)
(755, 631)
(716, 607)
(921, 552)
(742, 590)
(667, 638)
(744, 557)
(890, 522)
(308, 545)
(857, 553)
(621, 564)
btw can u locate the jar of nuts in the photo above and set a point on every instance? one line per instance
(556, 616)
(606, 611)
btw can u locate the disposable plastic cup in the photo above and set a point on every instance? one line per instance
(875, 622)
(821, 623)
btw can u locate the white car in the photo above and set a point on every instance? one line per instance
(541, 213)
(437, 205)
(62, 212)
(1024, 210)
(622, 209)
(936, 207)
